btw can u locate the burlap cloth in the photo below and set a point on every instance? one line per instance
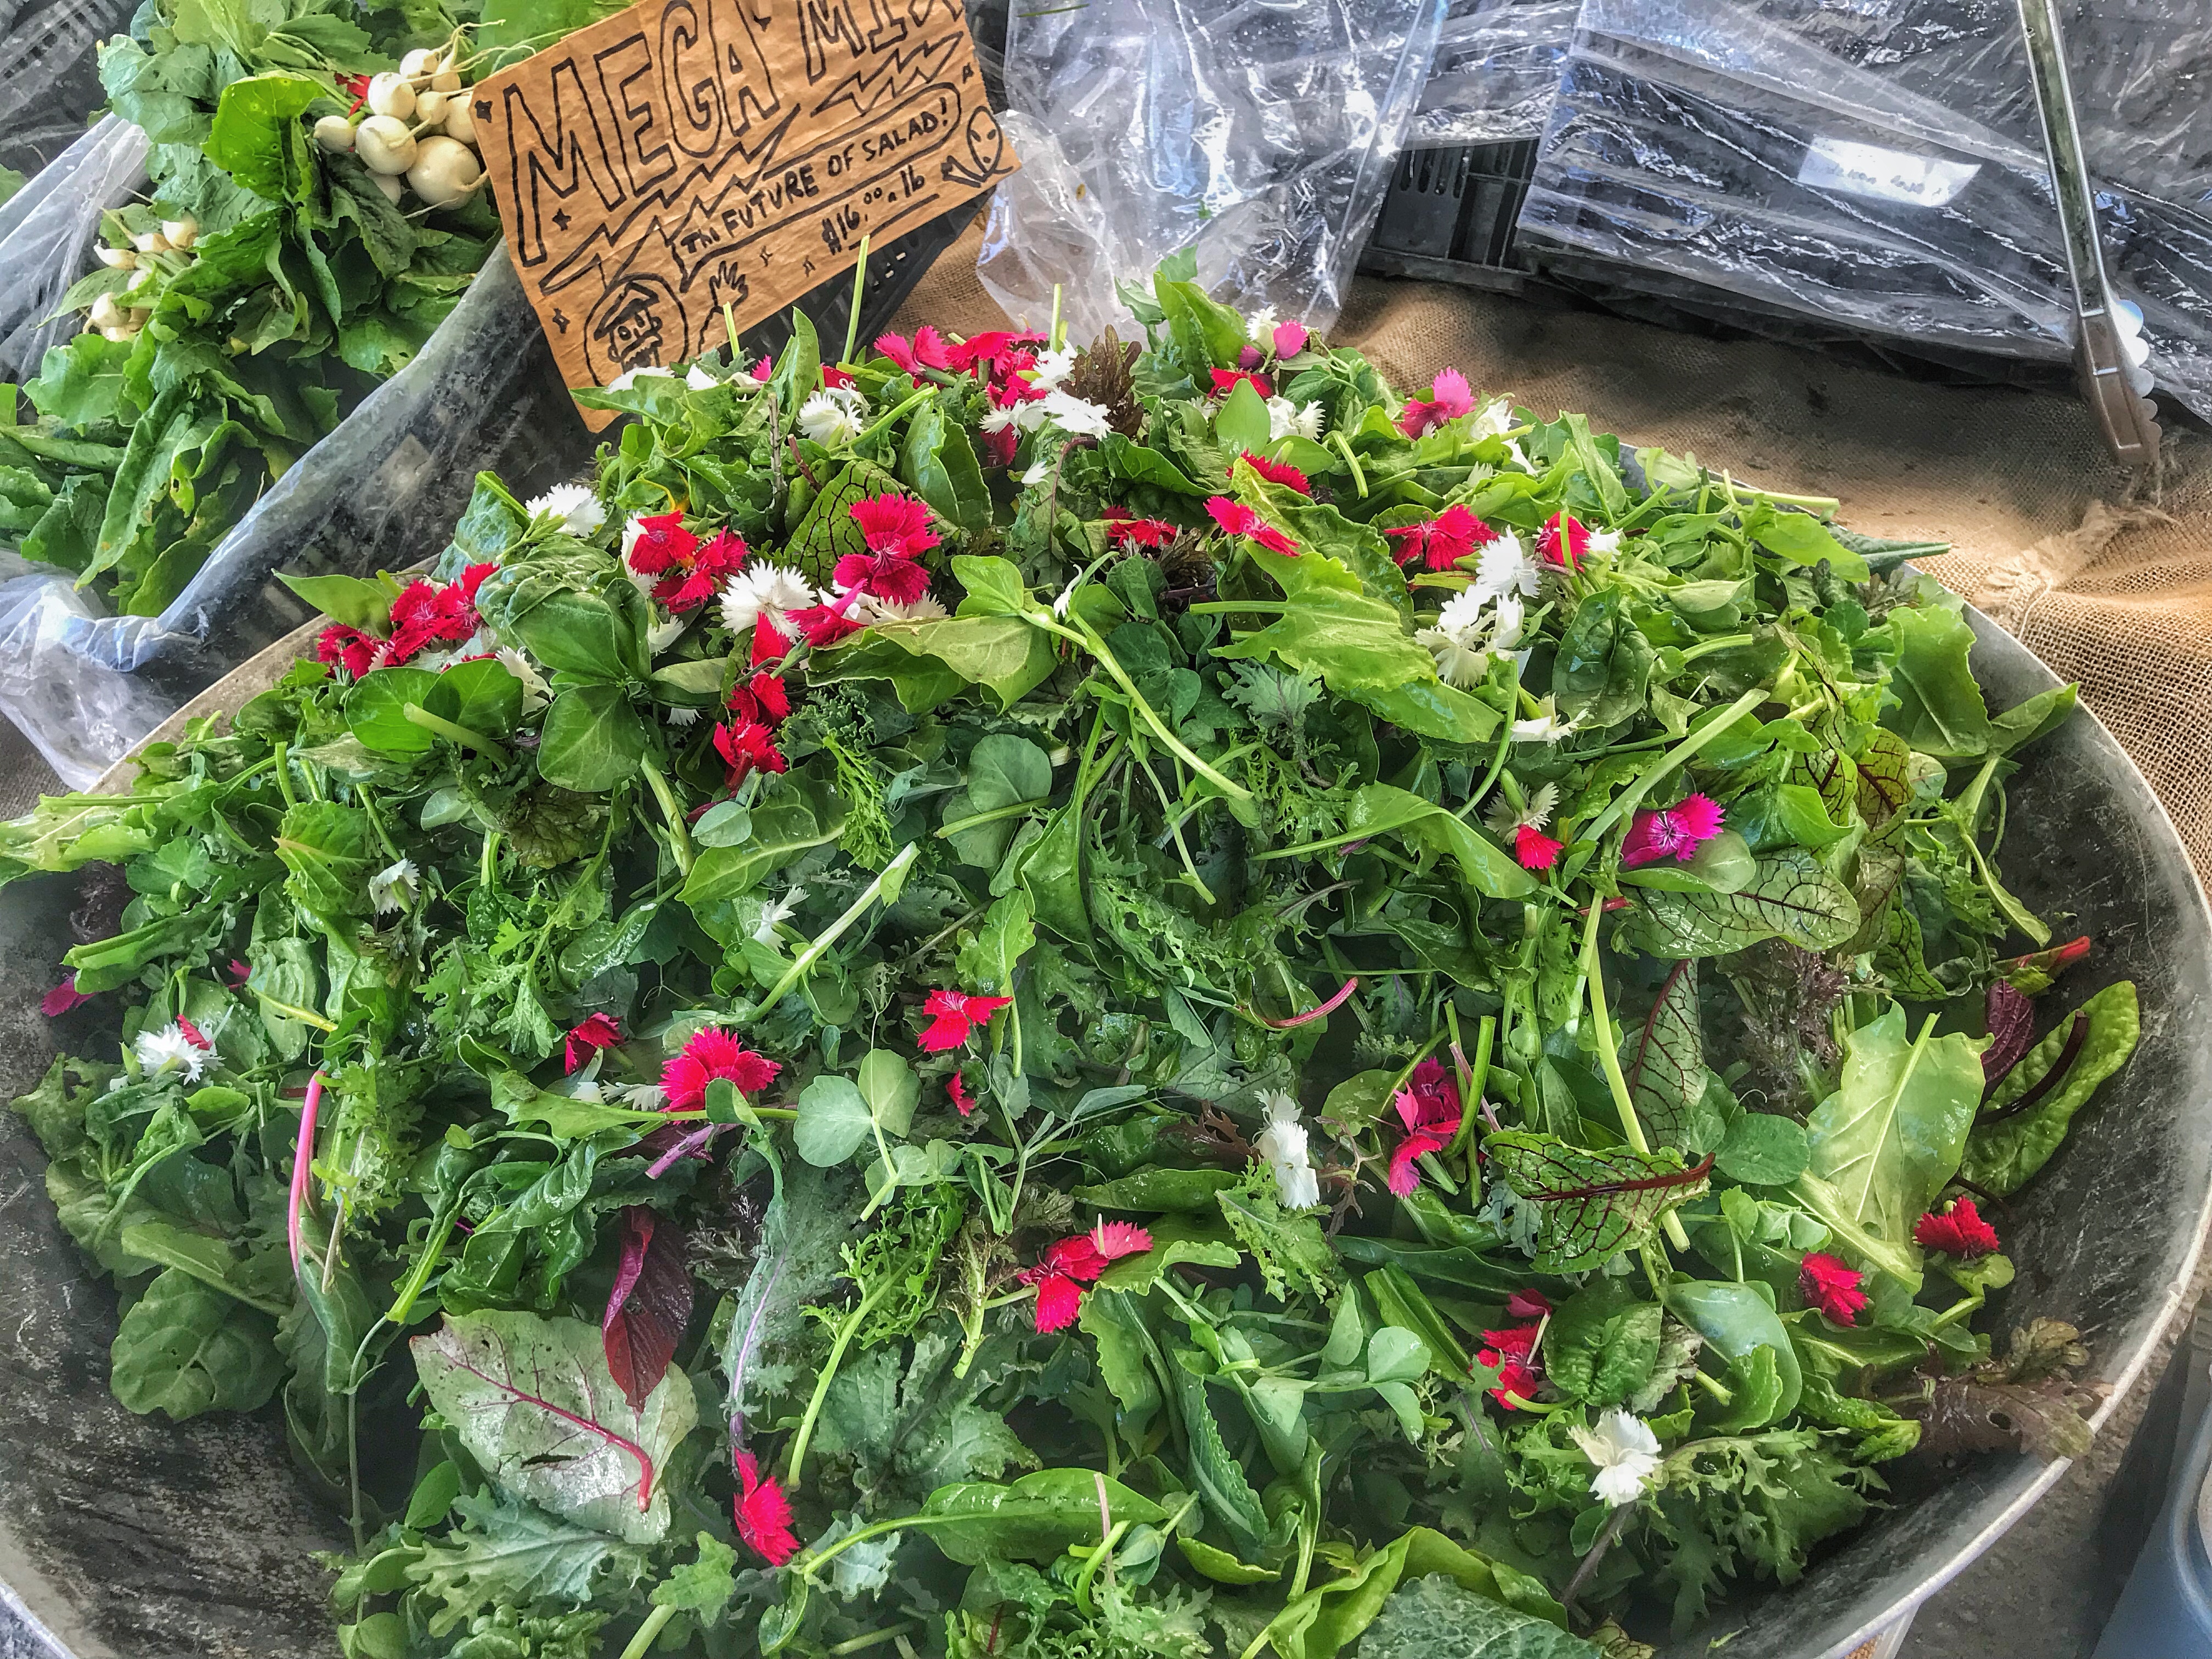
(2107, 580)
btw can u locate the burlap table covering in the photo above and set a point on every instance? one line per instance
(2107, 579)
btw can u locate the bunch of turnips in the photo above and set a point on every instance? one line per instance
(414, 124)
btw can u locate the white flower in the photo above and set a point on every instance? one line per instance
(574, 504)
(1073, 415)
(1262, 323)
(833, 416)
(1283, 1144)
(1505, 568)
(681, 715)
(1626, 1454)
(1536, 813)
(1286, 419)
(587, 1090)
(392, 888)
(169, 1049)
(774, 913)
(870, 611)
(1463, 613)
(1494, 420)
(1506, 628)
(661, 634)
(1067, 597)
(698, 379)
(1052, 368)
(1545, 726)
(648, 1097)
(630, 377)
(536, 693)
(1461, 659)
(996, 419)
(1039, 470)
(1603, 541)
(763, 589)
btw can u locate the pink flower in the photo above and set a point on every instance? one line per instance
(763, 700)
(891, 577)
(956, 1086)
(819, 625)
(1249, 356)
(238, 972)
(747, 747)
(1535, 850)
(928, 351)
(991, 350)
(1675, 833)
(1833, 1286)
(1528, 1304)
(954, 1018)
(193, 1035)
(63, 998)
(1239, 520)
(1957, 1231)
(1290, 338)
(1441, 542)
(1448, 399)
(1069, 1264)
(1512, 1354)
(1278, 472)
(895, 524)
(1429, 1107)
(1225, 379)
(1123, 527)
(763, 1513)
(348, 648)
(762, 369)
(1563, 540)
(712, 1054)
(587, 1037)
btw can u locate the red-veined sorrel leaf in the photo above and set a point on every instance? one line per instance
(2011, 1020)
(1885, 777)
(1594, 1203)
(649, 1306)
(1791, 895)
(1667, 1072)
(533, 1401)
(1833, 776)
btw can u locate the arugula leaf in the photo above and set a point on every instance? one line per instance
(509, 1555)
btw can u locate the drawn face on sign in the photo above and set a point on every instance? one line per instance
(637, 324)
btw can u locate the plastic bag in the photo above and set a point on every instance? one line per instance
(1703, 141)
(1258, 136)
(50, 82)
(79, 715)
(1496, 71)
(46, 233)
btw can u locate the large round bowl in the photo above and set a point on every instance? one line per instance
(134, 1537)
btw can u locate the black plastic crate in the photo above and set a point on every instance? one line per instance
(1449, 213)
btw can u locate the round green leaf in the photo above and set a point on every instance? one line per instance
(479, 693)
(832, 1121)
(376, 710)
(592, 739)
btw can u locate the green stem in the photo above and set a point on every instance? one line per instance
(852, 318)
(804, 963)
(434, 1251)
(898, 410)
(1679, 755)
(1011, 810)
(1097, 646)
(649, 1631)
(1344, 448)
(418, 715)
(679, 837)
(846, 1332)
(1727, 642)
(284, 775)
(1602, 1025)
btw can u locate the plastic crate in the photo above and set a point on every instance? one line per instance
(1449, 212)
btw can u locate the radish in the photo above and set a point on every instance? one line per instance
(182, 233)
(446, 172)
(118, 333)
(430, 107)
(444, 77)
(152, 242)
(385, 145)
(106, 313)
(389, 184)
(117, 259)
(389, 94)
(335, 134)
(417, 64)
(461, 120)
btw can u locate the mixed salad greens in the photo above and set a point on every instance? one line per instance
(277, 273)
(995, 1000)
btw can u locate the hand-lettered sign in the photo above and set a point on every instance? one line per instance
(688, 155)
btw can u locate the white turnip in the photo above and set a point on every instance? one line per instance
(385, 145)
(335, 134)
(389, 95)
(446, 172)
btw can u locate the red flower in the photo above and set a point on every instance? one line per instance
(347, 647)
(1675, 833)
(834, 378)
(355, 87)
(1441, 542)
(747, 747)
(1563, 540)
(763, 1513)
(689, 569)
(1429, 1107)
(1528, 1304)
(1290, 338)
(662, 542)
(1225, 379)
(928, 350)
(1832, 1286)
(1278, 472)
(1124, 527)
(954, 1018)
(1448, 399)
(1535, 850)
(63, 998)
(990, 349)
(956, 1087)
(771, 643)
(999, 446)
(587, 1037)
(1069, 1264)
(1512, 1354)
(895, 524)
(712, 1053)
(1956, 1230)
(240, 973)
(764, 700)
(886, 576)
(192, 1035)
(818, 625)
(424, 612)
(1239, 520)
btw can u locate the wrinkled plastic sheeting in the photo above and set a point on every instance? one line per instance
(46, 232)
(50, 74)
(380, 493)
(1496, 71)
(1698, 140)
(1259, 136)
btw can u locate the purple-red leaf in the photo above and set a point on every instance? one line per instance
(649, 1306)
(2011, 1021)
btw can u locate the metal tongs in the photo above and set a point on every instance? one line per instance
(2109, 351)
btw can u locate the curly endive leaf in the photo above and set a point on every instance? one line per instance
(1594, 1204)
(1791, 895)
(510, 1554)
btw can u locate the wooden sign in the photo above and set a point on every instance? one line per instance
(688, 155)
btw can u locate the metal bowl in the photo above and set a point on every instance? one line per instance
(131, 1536)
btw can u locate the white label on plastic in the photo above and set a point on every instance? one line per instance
(1884, 175)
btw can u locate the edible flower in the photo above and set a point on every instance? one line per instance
(1512, 1354)
(176, 1046)
(1957, 1230)
(763, 1513)
(1441, 542)
(954, 1018)
(833, 417)
(1277, 473)
(1528, 1304)
(1225, 380)
(1448, 399)
(1429, 1107)
(1532, 848)
(747, 747)
(348, 648)
(956, 1087)
(1545, 726)
(1288, 420)
(1626, 1454)
(574, 506)
(713, 1054)
(393, 887)
(1832, 1285)
(1069, 1264)
(764, 597)
(587, 1036)
(928, 349)
(1505, 570)
(1565, 539)
(63, 998)
(1123, 527)
(1282, 1143)
(1239, 520)
(1676, 832)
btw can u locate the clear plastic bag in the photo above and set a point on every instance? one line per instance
(1496, 71)
(1258, 135)
(46, 233)
(50, 74)
(1706, 141)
